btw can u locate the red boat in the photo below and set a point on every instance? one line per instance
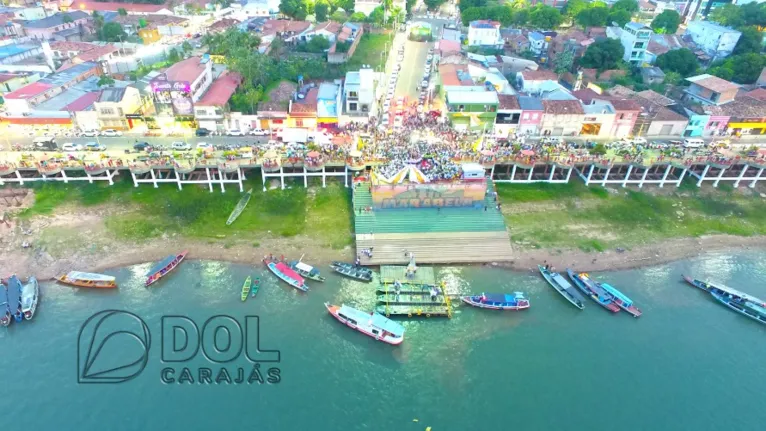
(164, 267)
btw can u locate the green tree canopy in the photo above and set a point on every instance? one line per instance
(66, 19)
(619, 16)
(592, 17)
(750, 41)
(666, 22)
(630, 6)
(317, 44)
(574, 7)
(358, 17)
(338, 16)
(602, 55)
(742, 69)
(321, 10)
(681, 61)
(105, 80)
(564, 62)
(226, 42)
(729, 15)
(545, 17)
(122, 12)
(433, 4)
(112, 32)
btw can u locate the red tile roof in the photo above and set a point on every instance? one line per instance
(447, 46)
(759, 93)
(562, 107)
(83, 102)
(7, 76)
(28, 91)
(586, 95)
(714, 83)
(306, 107)
(449, 74)
(328, 26)
(96, 53)
(114, 7)
(625, 105)
(221, 90)
(185, 70)
(274, 26)
(72, 46)
(223, 25)
(508, 101)
(539, 75)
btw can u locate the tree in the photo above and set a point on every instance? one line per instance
(564, 62)
(173, 56)
(598, 150)
(519, 4)
(545, 17)
(728, 15)
(98, 22)
(317, 44)
(357, 17)
(681, 61)
(321, 9)
(750, 41)
(186, 47)
(666, 22)
(294, 8)
(574, 7)
(592, 17)
(112, 32)
(231, 39)
(603, 54)
(433, 4)
(66, 19)
(377, 16)
(346, 5)
(338, 16)
(630, 6)
(619, 16)
(520, 17)
(673, 78)
(105, 80)
(122, 11)
(742, 69)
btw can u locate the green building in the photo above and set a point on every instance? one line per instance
(471, 107)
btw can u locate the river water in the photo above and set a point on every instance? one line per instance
(687, 363)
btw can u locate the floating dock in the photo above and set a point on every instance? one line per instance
(402, 298)
(422, 276)
(413, 310)
(414, 297)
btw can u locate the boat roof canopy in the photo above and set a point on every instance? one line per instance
(497, 297)
(303, 267)
(161, 264)
(375, 319)
(88, 276)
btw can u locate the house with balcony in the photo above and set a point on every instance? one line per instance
(710, 90)
(562, 118)
(635, 39)
(471, 107)
(198, 72)
(210, 111)
(484, 33)
(508, 116)
(359, 94)
(531, 115)
(114, 105)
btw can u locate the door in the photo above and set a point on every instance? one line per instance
(557, 131)
(666, 130)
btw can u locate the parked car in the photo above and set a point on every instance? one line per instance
(203, 145)
(235, 132)
(111, 133)
(72, 147)
(95, 146)
(180, 146)
(89, 133)
(202, 132)
(142, 146)
(259, 132)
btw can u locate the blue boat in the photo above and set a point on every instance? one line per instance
(498, 301)
(740, 302)
(14, 297)
(5, 311)
(621, 300)
(563, 287)
(592, 289)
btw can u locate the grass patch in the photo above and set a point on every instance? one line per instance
(538, 192)
(368, 51)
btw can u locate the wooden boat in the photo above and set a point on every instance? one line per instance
(246, 288)
(593, 290)
(240, 207)
(286, 274)
(562, 286)
(498, 301)
(306, 270)
(372, 324)
(256, 285)
(163, 267)
(30, 295)
(352, 271)
(87, 279)
(740, 302)
(14, 297)
(621, 300)
(5, 309)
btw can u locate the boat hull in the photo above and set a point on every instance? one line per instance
(30, 296)
(562, 291)
(610, 306)
(273, 268)
(246, 289)
(520, 306)
(739, 309)
(63, 279)
(351, 271)
(157, 276)
(333, 310)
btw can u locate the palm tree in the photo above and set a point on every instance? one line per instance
(519, 4)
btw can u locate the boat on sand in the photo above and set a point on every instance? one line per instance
(373, 324)
(14, 297)
(562, 286)
(30, 295)
(240, 207)
(285, 273)
(87, 279)
(163, 267)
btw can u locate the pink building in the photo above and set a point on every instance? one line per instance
(531, 115)
(626, 113)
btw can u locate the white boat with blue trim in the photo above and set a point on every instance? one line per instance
(373, 324)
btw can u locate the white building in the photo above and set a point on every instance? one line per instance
(716, 40)
(484, 33)
(359, 93)
(635, 39)
(194, 70)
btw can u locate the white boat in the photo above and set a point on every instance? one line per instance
(373, 325)
(30, 294)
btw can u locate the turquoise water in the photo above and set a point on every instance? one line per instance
(687, 363)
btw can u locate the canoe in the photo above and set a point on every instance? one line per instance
(87, 279)
(30, 296)
(742, 303)
(255, 286)
(5, 310)
(595, 292)
(14, 297)
(286, 274)
(372, 324)
(246, 288)
(306, 270)
(621, 300)
(352, 271)
(562, 286)
(498, 301)
(240, 207)
(164, 267)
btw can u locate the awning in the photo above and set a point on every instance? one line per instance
(747, 125)
(327, 120)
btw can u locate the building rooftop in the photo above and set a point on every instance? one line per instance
(508, 101)
(221, 90)
(655, 97)
(484, 23)
(149, 21)
(10, 50)
(55, 20)
(84, 102)
(637, 26)
(562, 107)
(652, 72)
(307, 106)
(114, 6)
(758, 93)
(711, 26)
(222, 25)
(72, 46)
(186, 70)
(328, 26)
(328, 91)
(744, 107)
(274, 26)
(535, 36)
(352, 78)
(29, 91)
(112, 94)
(447, 46)
(530, 103)
(625, 105)
(713, 83)
(472, 97)
(455, 74)
(598, 107)
(586, 95)
(539, 75)
(69, 96)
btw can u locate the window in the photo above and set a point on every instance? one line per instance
(201, 112)
(715, 96)
(365, 108)
(353, 94)
(276, 121)
(714, 124)
(107, 111)
(535, 115)
(461, 108)
(622, 116)
(119, 112)
(298, 123)
(525, 116)
(352, 106)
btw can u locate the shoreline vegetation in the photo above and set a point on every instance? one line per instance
(92, 227)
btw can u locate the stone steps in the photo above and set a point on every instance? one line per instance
(444, 247)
